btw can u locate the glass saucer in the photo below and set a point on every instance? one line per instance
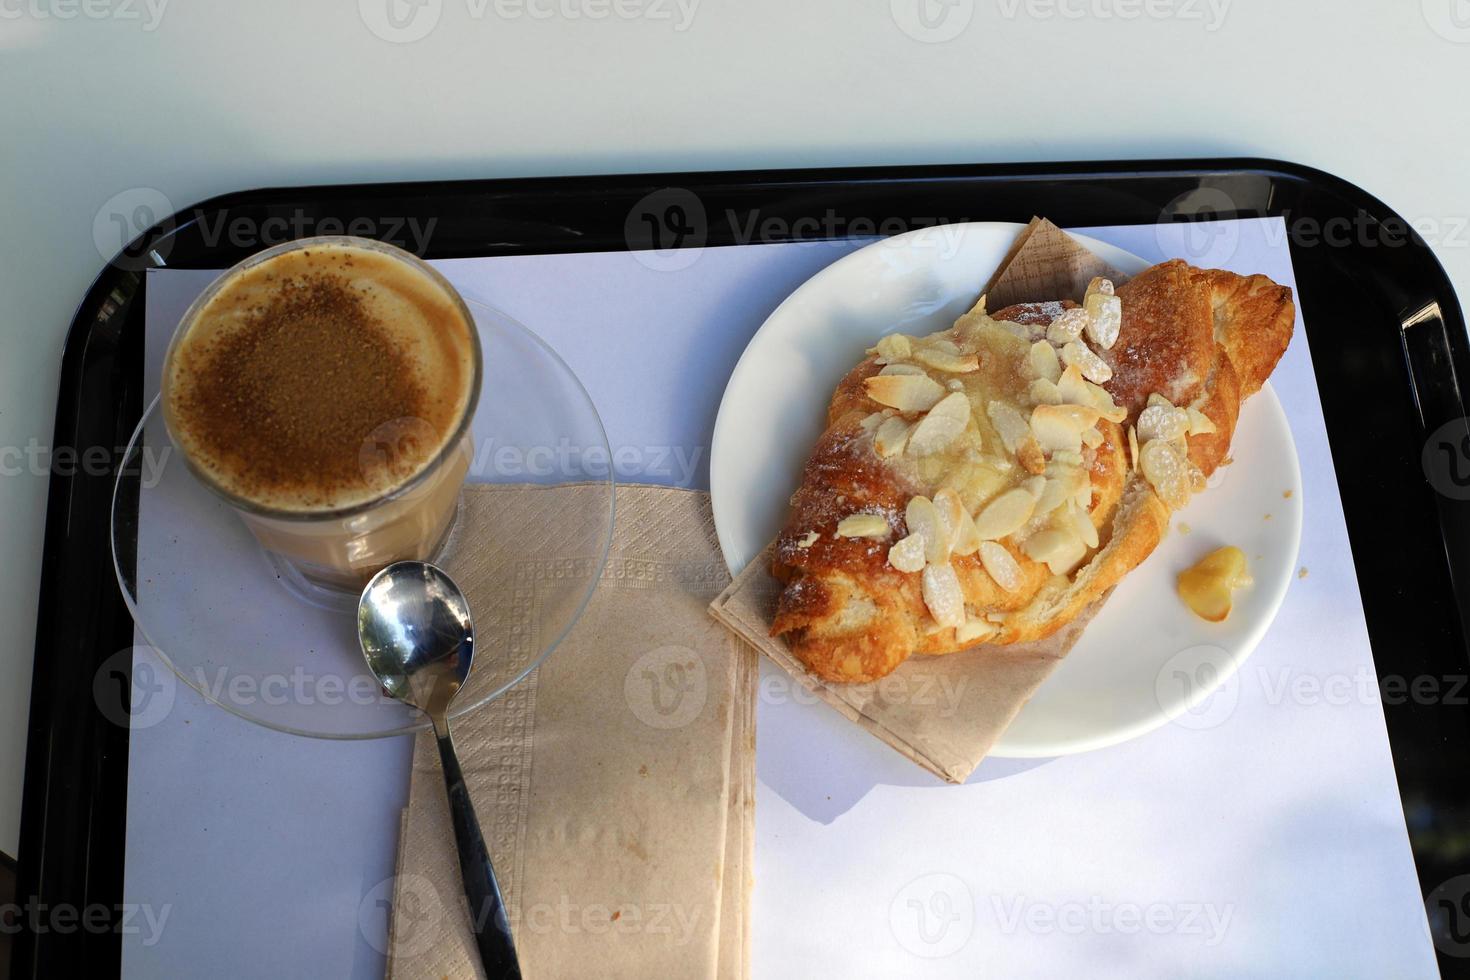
(221, 613)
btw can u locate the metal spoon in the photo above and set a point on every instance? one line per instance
(414, 626)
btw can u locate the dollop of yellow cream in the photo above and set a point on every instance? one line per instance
(1208, 588)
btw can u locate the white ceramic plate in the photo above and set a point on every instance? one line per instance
(1144, 659)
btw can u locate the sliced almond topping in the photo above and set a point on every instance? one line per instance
(1001, 565)
(1062, 484)
(872, 421)
(863, 526)
(1159, 422)
(977, 482)
(1091, 438)
(923, 519)
(1067, 327)
(1014, 329)
(1061, 550)
(1044, 392)
(908, 555)
(943, 360)
(1009, 424)
(891, 369)
(1133, 447)
(891, 437)
(1166, 471)
(1077, 390)
(1068, 458)
(895, 347)
(1058, 428)
(945, 421)
(1100, 284)
(943, 595)
(1200, 424)
(1005, 514)
(1044, 361)
(958, 523)
(1082, 526)
(1105, 317)
(1034, 485)
(1158, 399)
(1093, 368)
(974, 630)
(905, 392)
(808, 539)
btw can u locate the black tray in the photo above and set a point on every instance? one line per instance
(1387, 337)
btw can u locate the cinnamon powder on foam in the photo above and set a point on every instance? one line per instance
(283, 404)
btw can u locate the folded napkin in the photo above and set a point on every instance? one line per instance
(946, 712)
(615, 784)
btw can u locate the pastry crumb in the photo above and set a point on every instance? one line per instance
(1184, 528)
(1266, 518)
(1302, 572)
(809, 540)
(1286, 494)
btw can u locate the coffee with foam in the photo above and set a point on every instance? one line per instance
(325, 388)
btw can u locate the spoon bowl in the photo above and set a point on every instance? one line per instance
(417, 634)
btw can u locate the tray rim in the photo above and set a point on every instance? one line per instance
(100, 756)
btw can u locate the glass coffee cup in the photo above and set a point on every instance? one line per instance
(325, 388)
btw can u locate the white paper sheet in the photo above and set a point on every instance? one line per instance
(1267, 842)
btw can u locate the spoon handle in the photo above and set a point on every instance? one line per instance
(487, 909)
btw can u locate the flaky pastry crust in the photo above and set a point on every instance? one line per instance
(1201, 338)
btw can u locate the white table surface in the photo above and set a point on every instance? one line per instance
(109, 104)
(1191, 850)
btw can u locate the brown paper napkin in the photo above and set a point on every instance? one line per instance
(945, 713)
(615, 784)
